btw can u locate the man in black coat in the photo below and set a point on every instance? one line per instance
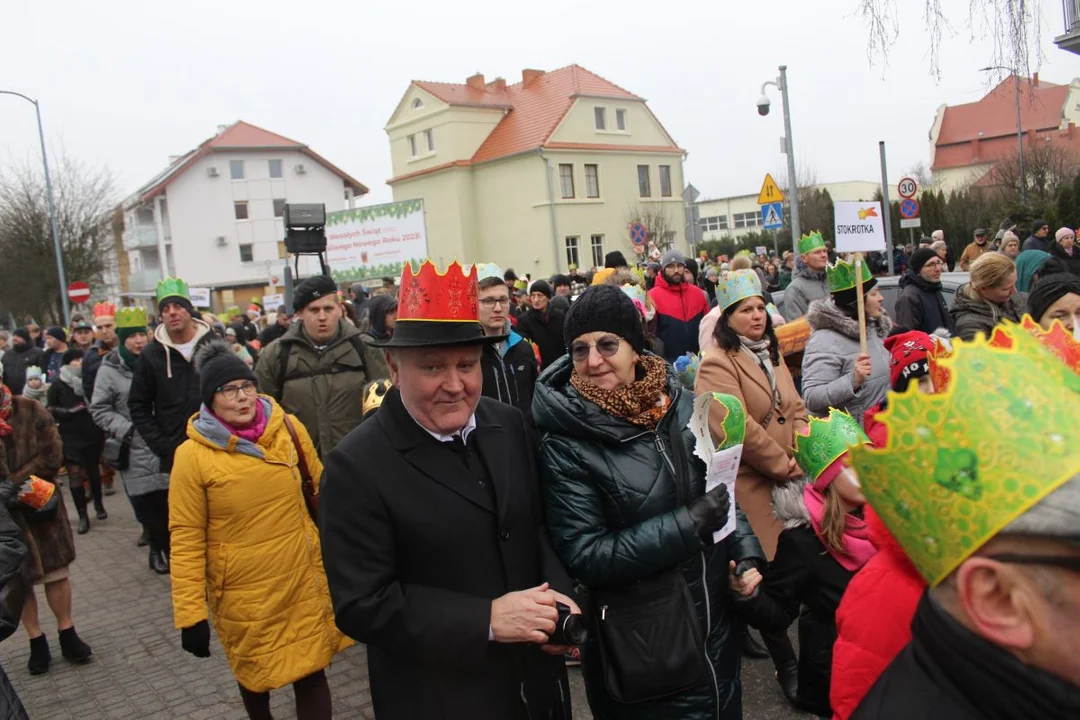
(165, 387)
(543, 324)
(22, 354)
(509, 366)
(921, 305)
(433, 541)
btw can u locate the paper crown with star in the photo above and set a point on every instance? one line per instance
(172, 287)
(842, 275)
(825, 440)
(738, 285)
(961, 464)
(438, 309)
(811, 242)
(131, 317)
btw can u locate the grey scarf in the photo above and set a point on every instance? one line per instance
(759, 350)
(72, 377)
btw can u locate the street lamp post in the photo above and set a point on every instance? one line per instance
(1019, 127)
(793, 188)
(52, 207)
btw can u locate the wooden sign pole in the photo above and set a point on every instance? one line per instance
(862, 302)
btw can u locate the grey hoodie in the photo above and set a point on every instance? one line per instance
(806, 286)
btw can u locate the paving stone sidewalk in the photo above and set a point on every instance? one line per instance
(124, 611)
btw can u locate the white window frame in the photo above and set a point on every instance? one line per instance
(429, 136)
(596, 244)
(280, 167)
(621, 124)
(746, 220)
(592, 184)
(600, 118)
(644, 190)
(233, 165)
(411, 140)
(665, 174)
(566, 181)
(251, 250)
(572, 244)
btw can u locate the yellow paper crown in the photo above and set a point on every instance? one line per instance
(841, 275)
(962, 464)
(739, 285)
(232, 311)
(811, 242)
(131, 317)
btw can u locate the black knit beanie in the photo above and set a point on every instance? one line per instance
(541, 286)
(1049, 290)
(920, 257)
(23, 333)
(605, 308)
(71, 356)
(177, 300)
(615, 259)
(849, 299)
(217, 365)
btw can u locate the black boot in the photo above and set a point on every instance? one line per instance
(788, 677)
(159, 563)
(144, 539)
(751, 648)
(101, 514)
(40, 657)
(84, 523)
(73, 648)
(78, 494)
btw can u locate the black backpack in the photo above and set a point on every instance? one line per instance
(283, 376)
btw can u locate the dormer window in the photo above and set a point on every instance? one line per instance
(417, 103)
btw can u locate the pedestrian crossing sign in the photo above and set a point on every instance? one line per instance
(772, 216)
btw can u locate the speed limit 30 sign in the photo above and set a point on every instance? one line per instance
(907, 187)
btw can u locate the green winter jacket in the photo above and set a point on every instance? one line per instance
(324, 388)
(617, 514)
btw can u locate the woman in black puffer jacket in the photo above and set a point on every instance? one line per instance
(626, 504)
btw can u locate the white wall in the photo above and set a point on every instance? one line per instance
(201, 209)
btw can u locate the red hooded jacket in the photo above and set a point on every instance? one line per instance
(873, 622)
(679, 310)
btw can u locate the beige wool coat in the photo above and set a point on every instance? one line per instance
(766, 449)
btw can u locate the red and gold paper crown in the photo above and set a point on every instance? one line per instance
(1057, 339)
(104, 309)
(432, 296)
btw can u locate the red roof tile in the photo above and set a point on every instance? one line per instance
(240, 136)
(995, 114)
(533, 111)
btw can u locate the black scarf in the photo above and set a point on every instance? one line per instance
(994, 682)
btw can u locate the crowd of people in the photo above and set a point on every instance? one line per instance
(486, 478)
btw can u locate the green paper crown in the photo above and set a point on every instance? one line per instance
(131, 317)
(232, 311)
(811, 242)
(734, 425)
(172, 287)
(962, 464)
(825, 440)
(739, 285)
(842, 275)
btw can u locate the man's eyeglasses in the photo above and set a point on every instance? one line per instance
(1067, 562)
(232, 392)
(933, 263)
(607, 347)
(492, 303)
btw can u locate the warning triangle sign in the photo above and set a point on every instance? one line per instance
(772, 217)
(770, 192)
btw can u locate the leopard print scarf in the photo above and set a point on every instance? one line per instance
(642, 402)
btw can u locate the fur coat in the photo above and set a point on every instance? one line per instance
(34, 448)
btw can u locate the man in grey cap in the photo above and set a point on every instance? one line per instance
(679, 307)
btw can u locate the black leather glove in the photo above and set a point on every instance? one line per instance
(8, 492)
(196, 639)
(710, 511)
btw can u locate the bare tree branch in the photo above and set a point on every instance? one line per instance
(85, 199)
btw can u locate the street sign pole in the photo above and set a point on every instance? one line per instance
(793, 190)
(885, 208)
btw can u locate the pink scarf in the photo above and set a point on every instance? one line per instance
(857, 546)
(252, 432)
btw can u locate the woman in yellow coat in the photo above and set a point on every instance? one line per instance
(245, 552)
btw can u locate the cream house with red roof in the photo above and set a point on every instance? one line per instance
(966, 140)
(215, 213)
(534, 175)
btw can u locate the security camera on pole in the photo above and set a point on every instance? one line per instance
(785, 147)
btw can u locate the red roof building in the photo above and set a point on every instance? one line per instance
(542, 172)
(967, 140)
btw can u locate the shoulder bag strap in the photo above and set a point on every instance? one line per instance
(305, 474)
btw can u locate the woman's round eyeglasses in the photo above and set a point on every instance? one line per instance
(605, 346)
(231, 392)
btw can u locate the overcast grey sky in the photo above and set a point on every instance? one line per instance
(128, 83)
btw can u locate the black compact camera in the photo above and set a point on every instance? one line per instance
(569, 628)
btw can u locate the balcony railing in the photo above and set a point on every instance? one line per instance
(1071, 39)
(140, 236)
